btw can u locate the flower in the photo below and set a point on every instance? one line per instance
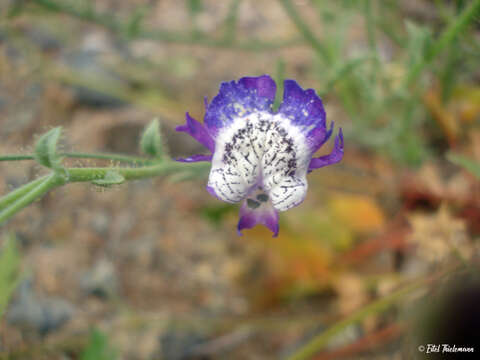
(259, 156)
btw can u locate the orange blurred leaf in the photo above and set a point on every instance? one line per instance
(359, 213)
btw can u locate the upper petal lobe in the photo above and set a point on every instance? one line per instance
(238, 99)
(305, 109)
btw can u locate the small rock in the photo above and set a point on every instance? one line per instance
(101, 280)
(88, 62)
(46, 40)
(179, 344)
(38, 313)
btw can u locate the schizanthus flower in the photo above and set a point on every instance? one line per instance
(259, 156)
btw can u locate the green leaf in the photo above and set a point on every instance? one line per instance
(9, 271)
(98, 348)
(216, 213)
(46, 149)
(151, 140)
(111, 177)
(135, 22)
(419, 42)
(194, 6)
(279, 77)
(15, 9)
(468, 164)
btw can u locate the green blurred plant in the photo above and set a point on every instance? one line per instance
(47, 155)
(98, 347)
(468, 164)
(9, 271)
(134, 28)
(387, 113)
(320, 341)
(385, 107)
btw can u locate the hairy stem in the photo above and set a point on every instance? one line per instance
(164, 168)
(102, 156)
(25, 195)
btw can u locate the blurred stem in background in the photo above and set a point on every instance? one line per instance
(193, 38)
(9, 271)
(320, 341)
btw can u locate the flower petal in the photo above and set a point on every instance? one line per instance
(334, 157)
(261, 150)
(238, 99)
(319, 136)
(236, 164)
(195, 158)
(285, 164)
(304, 109)
(198, 132)
(264, 85)
(257, 213)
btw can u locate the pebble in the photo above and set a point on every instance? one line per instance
(101, 280)
(42, 314)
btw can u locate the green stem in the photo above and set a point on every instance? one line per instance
(164, 168)
(321, 340)
(36, 192)
(231, 21)
(16, 157)
(108, 156)
(103, 156)
(448, 35)
(19, 192)
(305, 30)
(372, 41)
(18, 199)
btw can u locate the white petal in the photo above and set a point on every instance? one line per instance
(236, 163)
(285, 163)
(261, 150)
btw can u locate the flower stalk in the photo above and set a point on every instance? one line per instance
(13, 202)
(46, 154)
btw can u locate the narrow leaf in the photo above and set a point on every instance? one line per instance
(98, 348)
(9, 274)
(468, 164)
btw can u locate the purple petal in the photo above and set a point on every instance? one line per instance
(267, 216)
(319, 136)
(212, 192)
(305, 109)
(264, 85)
(198, 132)
(239, 99)
(195, 158)
(334, 157)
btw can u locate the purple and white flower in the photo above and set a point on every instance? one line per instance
(259, 156)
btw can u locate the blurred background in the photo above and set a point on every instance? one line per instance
(154, 269)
